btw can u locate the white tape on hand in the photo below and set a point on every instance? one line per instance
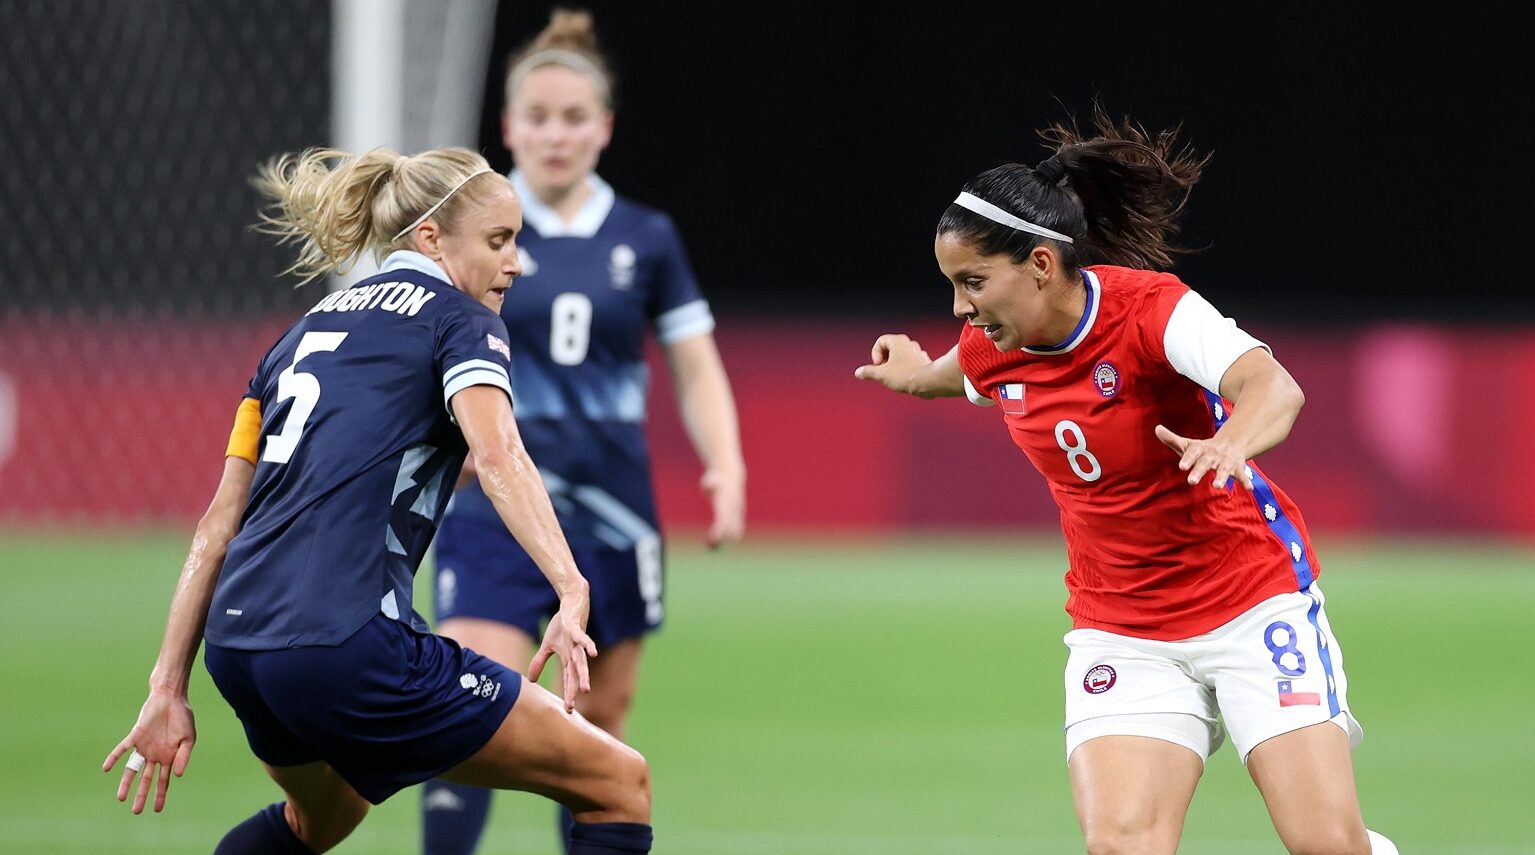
(135, 761)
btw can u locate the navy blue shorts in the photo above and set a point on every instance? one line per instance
(482, 572)
(387, 708)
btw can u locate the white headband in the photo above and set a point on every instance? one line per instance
(432, 210)
(997, 215)
(559, 56)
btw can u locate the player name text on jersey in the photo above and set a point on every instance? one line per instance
(401, 297)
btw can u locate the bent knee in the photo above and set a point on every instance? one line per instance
(623, 794)
(322, 830)
(1129, 836)
(634, 785)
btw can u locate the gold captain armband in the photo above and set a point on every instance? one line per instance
(245, 436)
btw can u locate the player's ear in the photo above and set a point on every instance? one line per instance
(1040, 265)
(428, 240)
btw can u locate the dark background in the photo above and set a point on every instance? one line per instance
(1366, 166)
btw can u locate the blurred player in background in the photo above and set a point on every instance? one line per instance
(339, 468)
(599, 271)
(1191, 578)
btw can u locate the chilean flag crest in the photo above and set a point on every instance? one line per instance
(1010, 397)
(1288, 697)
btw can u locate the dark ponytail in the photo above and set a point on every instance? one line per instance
(1117, 193)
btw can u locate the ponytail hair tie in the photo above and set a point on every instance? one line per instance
(1051, 169)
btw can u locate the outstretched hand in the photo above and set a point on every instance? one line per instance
(1201, 457)
(566, 639)
(893, 362)
(159, 744)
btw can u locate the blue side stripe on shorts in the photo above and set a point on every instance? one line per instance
(1269, 509)
(1323, 650)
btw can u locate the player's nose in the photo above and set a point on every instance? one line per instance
(963, 308)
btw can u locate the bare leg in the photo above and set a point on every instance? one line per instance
(322, 807)
(542, 749)
(499, 641)
(454, 818)
(1132, 793)
(615, 673)
(1307, 779)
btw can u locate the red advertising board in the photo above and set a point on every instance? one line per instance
(1407, 428)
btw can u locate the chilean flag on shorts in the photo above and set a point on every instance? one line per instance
(1289, 698)
(1010, 396)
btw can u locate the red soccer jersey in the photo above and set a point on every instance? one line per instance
(1148, 554)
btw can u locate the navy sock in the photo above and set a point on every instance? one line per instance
(266, 833)
(452, 817)
(562, 826)
(610, 838)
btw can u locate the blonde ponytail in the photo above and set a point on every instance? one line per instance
(338, 205)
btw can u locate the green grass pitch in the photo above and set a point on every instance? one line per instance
(811, 697)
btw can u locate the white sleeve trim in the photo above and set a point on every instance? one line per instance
(1201, 343)
(685, 321)
(473, 372)
(976, 397)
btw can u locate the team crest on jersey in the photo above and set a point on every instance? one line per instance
(529, 266)
(498, 345)
(1106, 379)
(621, 265)
(1099, 679)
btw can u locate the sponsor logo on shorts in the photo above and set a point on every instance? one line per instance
(1099, 679)
(1106, 379)
(481, 686)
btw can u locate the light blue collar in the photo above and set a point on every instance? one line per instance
(412, 260)
(593, 213)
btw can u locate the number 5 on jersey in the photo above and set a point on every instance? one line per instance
(304, 389)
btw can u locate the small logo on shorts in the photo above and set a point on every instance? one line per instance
(1106, 379)
(483, 687)
(1099, 679)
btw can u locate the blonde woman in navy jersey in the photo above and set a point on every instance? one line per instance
(341, 463)
(601, 275)
(1191, 581)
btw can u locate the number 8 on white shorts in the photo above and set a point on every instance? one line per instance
(1273, 669)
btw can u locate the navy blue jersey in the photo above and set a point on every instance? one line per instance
(590, 292)
(357, 458)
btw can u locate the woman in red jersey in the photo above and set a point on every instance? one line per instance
(1192, 581)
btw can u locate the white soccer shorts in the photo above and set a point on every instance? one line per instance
(1273, 669)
